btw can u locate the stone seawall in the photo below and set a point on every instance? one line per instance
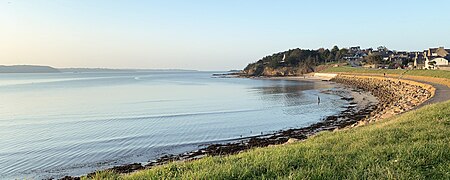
(395, 96)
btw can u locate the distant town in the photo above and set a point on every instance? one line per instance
(382, 57)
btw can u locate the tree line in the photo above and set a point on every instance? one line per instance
(302, 58)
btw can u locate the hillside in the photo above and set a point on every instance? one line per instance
(27, 69)
(294, 62)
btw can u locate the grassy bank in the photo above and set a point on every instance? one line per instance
(426, 73)
(414, 145)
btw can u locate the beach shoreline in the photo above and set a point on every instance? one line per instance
(362, 108)
(346, 117)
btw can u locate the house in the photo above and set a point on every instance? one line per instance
(440, 61)
(399, 57)
(419, 60)
(355, 55)
(437, 57)
(354, 49)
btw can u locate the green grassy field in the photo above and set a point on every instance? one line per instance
(415, 145)
(418, 72)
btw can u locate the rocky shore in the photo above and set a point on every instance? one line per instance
(394, 96)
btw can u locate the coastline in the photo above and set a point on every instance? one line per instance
(355, 114)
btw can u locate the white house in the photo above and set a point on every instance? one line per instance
(436, 57)
(440, 61)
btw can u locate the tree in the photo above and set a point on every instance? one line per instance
(302, 59)
(325, 54)
(373, 59)
(335, 49)
(259, 69)
(333, 53)
(382, 48)
(405, 61)
(273, 63)
(341, 53)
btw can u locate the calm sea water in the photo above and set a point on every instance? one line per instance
(53, 125)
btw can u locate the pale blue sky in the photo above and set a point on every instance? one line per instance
(207, 35)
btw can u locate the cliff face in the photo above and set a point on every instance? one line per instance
(282, 71)
(261, 70)
(268, 71)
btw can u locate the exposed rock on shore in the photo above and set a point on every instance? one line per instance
(282, 71)
(395, 96)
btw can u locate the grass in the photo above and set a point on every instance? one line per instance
(415, 145)
(418, 72)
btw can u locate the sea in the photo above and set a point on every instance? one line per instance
(58, 124)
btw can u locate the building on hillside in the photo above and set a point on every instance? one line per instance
(354, 49)
(400, 58)
(355, 55)
(436, 58)
(383, 52)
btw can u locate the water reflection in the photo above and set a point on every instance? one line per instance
(97, 120)
(289, 92)
(294, 95)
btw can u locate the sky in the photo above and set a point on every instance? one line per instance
(207, 34)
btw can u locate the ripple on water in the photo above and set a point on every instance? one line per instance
(58, 128)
